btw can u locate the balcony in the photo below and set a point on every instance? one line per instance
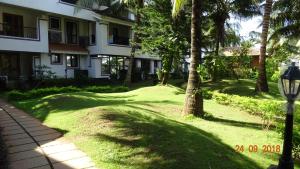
(118, 40)
(24, 39)
(18, 32)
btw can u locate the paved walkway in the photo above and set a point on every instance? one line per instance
(31, 145)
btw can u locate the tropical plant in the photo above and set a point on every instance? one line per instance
(262, 82)
(163, 36)
(193, 100)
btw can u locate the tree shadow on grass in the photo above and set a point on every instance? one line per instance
(159, 143)
(40, 108)
(256, 126)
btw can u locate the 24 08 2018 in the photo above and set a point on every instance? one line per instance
(255, 148)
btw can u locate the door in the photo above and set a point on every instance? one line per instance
(72, 32)
(13, 25)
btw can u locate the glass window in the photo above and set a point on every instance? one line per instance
(72, 61)
(54, 23)
(72, 32)
(56, 59)
(105, 70)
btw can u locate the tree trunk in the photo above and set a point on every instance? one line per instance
(167, 69)
(135, 41)
(193, 99)
(262, 83)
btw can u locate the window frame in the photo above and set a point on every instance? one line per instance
(78, 61)
(60, 59)
(59, 23)
(66, 33)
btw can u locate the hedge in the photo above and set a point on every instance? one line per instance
(37, 93)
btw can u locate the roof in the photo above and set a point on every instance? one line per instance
(228, 51)
(67, 48)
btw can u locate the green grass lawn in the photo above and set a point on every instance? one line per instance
(143, 128)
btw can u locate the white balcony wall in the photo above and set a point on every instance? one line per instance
(28, 45)
(52, 6)
(108, 49)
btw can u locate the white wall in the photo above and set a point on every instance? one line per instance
(58, 69)
(108, 49)
(52, 6)
(27, 45)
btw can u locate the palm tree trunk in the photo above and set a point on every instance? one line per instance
(135, 41)
(193, 99)
(262, 83)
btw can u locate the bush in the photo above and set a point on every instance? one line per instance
(36, 93)
(106, 89)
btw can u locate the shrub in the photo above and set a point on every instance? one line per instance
(106, 89)
(36, 93)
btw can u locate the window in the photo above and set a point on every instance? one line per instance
(105, 70)
(13, 25)
(56, 59)
(54, 23)
(72, 61)
(72, 32)
(119, 34)
(92, 33)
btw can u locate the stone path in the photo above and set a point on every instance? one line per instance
(32, 145)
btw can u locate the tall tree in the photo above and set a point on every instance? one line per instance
(262, 82)
(163, 36)
(193, 99)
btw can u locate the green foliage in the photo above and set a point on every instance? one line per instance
(272, 63)
(268, 110)
(37, 93)
(106, 89)
(163, 36)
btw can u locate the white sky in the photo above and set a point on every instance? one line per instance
(249, 26)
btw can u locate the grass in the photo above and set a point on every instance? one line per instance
(242, 87)
(143, 128)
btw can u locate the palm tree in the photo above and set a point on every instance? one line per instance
(262, 83)
(115, 5)
(193, 98)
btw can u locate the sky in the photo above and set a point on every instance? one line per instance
(249, 26)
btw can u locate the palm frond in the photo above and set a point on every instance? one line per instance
(177, 6)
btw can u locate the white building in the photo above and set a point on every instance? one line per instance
(34, 33)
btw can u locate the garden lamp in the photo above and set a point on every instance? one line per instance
(290, 87)
(290, 81)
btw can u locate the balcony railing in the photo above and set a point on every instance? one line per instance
(55, 36)
(17, 31)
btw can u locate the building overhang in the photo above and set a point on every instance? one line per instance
(67, 49)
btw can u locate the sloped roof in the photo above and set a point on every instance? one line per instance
(228, 51)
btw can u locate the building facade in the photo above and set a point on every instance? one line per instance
(50, 34)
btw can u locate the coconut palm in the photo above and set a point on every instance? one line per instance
(115, 5)
(193, 99)
(262, 83)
